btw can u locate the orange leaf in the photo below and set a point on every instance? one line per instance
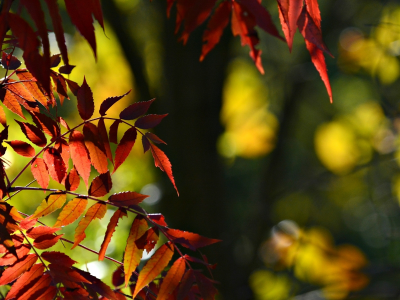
(3, 120)
(39, 231)
(10, 101)
(32, 86)
(154, 267)
(118, 214)
(96, 211)
(20, 267)
(95, 146)
(63, 148)
(85, 100)
(22, 148)
(10, 258)
(49, 205)
(162, 161)
(172, 279)
(125, 147)
(101, 185)
(72, 181)
(132, 254)
(79, 155)
(55, 164)
(46, 241)
(40, 173)
(17, 289)
(127, 198)
(71, 211)
(55, 257)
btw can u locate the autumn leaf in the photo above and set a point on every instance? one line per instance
(124, 147)
(289, 12)
(55, 164)
(71, 212)
(136, 110)
(85, 98)
(50, 204)
(162, 161)
(101, 185)
(22, 148)
(118, 214)
(98, 286)
(155, 139)
(34, 134)
(96, 211)
(95, 147)
(3, 119)
(63, 148)
(206, 287)
(72, 181)
(48, 125)
(149, 121)
(33, 86)
(20, 267)
(46, 241)
(158, 219)
(106, 104)
(40, 173)
(26, 280)
(114, 131)
(148, 240)
(61, 273)
(104, 136)
(41, 290)
(10, 258)
(127, 198)
(79, 155)
(153, 267)
(132, 254)
(186, 284)
(11, 102)
(60, 258)
(39, 231)
(145, 143)
(172, 279)
(190, 240)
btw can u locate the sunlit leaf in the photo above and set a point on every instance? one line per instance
(101, 185)
(22, 148)
(55, 164)
(39, 231)
(71, 212)
(46, 241)
(79, 155)
(172, 279)
(125, 147)
(162, 161)
(127, 198)
(49, 205)
(17, 269)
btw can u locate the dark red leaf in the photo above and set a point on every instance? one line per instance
(55, 60)
(22, 148)
(136, 110)
(148, 240)
(72, 181)
(155, 139)
(60, 258)
(63, 148)
(145, 143)
(34, 134)
(48, 125)
(149, 121)
(40, 173)
(162, 161)
(104, 136)
(79, 155)
(46, 241)
(101, 185)
(98, 285)
(106, 104)
(97, 12)
(55, 164)
(62, 273)
(95, 146)
(127, 198)
(114, 131)
(125, 147)
(206, 287)
(73, 86)
(158, 219)
(118, 276)
(215, 27)
(186, 284)
(85, 99)
(9, 61)
(3, 119)
(190, 240)
(66, 69)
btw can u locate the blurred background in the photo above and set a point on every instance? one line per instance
(304, 194)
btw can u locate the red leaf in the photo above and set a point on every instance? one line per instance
(125, 147)
(71, 212)
(145, 143)
(215, 27)
(104, 136)
(127, 198)
(172, 279)
(101, 185)
(289, 12)
(118, 214)
(98, 286)
(79, 155)
(190, 240)
(132, 254)
(158, 219)
(153, 267)
(136, 110)
(23, 97)
(34, 134)
(25, 281)
(39, 231)
(50, 204)
(42, 290)
(72, 181)
(97, 12)
(3, 119)
(186, 284)
(55, 60)
(62, 122)
(96, 211)
(155, 139)
(48, 125)
(22, 148)
(9, 61)
(73, 86)
(46, 241)
(81, 17)
(110, 101)
(63, 148)
(10, 258)
(243, 23)
(55, 164)
(149, 121)
(95, 146)
(10, 101)
(206, 287)
(61, 273)
(118, 277)
(114, 131)
(60, 258)
(148, 240)
(84, 97)
(317, 57)
(20, 267)
(27, 223)
(162, 161)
